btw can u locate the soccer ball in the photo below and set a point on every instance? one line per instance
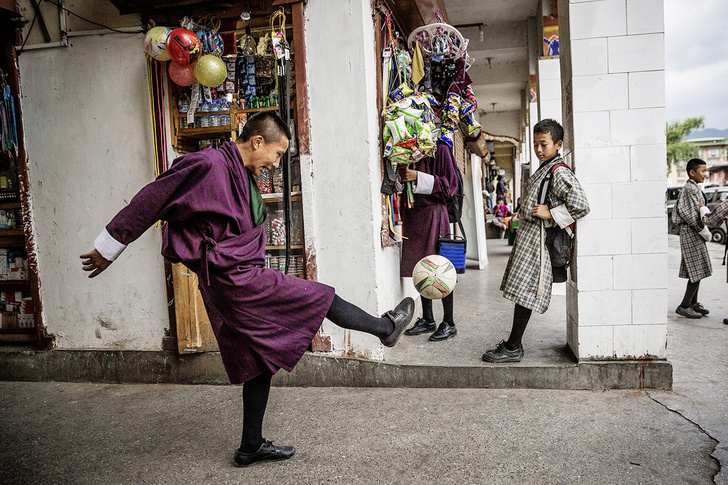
(434, 276)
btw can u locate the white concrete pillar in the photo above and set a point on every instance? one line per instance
(612, 71)
(549, 89)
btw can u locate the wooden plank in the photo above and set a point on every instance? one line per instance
(194, 332)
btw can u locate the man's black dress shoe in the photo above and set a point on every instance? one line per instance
(401, 316)
(421, 326)
(444, 331)
(267, 452)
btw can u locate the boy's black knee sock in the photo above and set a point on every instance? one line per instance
(521, 315)
(691, 294)
(448, 309)
(427, 314)
(255, 400)
(346, 315)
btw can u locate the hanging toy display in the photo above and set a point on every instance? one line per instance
(428, 95)
(183, 46)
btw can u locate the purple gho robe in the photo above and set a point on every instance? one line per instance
(427, 220)
(262, 319)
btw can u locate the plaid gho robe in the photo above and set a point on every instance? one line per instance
(528, 277)
(695, 262)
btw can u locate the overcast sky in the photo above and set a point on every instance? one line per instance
(696, 70)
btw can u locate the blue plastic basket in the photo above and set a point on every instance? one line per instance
(454, 250)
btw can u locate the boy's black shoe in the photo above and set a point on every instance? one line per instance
(500, 354)
(698, 307)
(267, 452)
(444, 331)
(688, 312)
(421, 326)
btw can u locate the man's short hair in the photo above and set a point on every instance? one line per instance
(552, 127)
(266, 124)
(693, 164)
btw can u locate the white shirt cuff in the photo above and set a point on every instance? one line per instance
(705, 233)
(425, 183)
(704, 211)
(561, 216)
(107, 246)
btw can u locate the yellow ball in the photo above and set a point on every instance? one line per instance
(210, 71)
(155, 43)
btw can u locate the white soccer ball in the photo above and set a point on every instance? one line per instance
(434, 276)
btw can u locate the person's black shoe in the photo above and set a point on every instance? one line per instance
(688, 312)
(500, 354)
(401, 316)
(725, 320)
(421, 326)
(698, 307)
(444, 331)
(267, 452)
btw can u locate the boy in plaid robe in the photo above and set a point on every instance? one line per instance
(695, 261)
(528, 277)
(262, 319)
(715, 219)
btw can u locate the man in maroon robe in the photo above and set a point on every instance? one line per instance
(435, 183)
(263, 320)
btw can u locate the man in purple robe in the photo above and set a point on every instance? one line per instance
(263, 320)
(435, 183)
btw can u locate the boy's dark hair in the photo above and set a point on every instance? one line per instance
(552, 127)
(693, 164)
(266, 124)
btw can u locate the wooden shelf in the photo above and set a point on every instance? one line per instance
(210, 130)
(9, 205)
(11, 232)
(277, 198)
(254, 110)
(205, 113)
(4, 331)
(6, 283)
(283, 248)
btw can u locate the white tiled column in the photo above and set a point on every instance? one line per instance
(612, 58)
(549, 89)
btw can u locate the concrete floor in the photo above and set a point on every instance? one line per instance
(162, 433)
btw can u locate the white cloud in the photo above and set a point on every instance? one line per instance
(696, 64)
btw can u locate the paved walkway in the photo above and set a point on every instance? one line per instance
(159, 434)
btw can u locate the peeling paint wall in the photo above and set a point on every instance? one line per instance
(342, 180)
(88, 138)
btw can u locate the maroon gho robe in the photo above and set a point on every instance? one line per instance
(262, 319)
(423, 224)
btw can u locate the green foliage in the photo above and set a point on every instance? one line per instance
(677, 149)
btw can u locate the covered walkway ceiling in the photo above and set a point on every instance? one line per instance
(500, 69)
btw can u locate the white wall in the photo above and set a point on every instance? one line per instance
(88, 138)
(614, 117)
(503, 123)
(341, 189)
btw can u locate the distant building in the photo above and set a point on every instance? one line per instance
(713, 151)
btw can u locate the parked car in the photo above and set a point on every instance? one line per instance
(670, 198)
(715, 196)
